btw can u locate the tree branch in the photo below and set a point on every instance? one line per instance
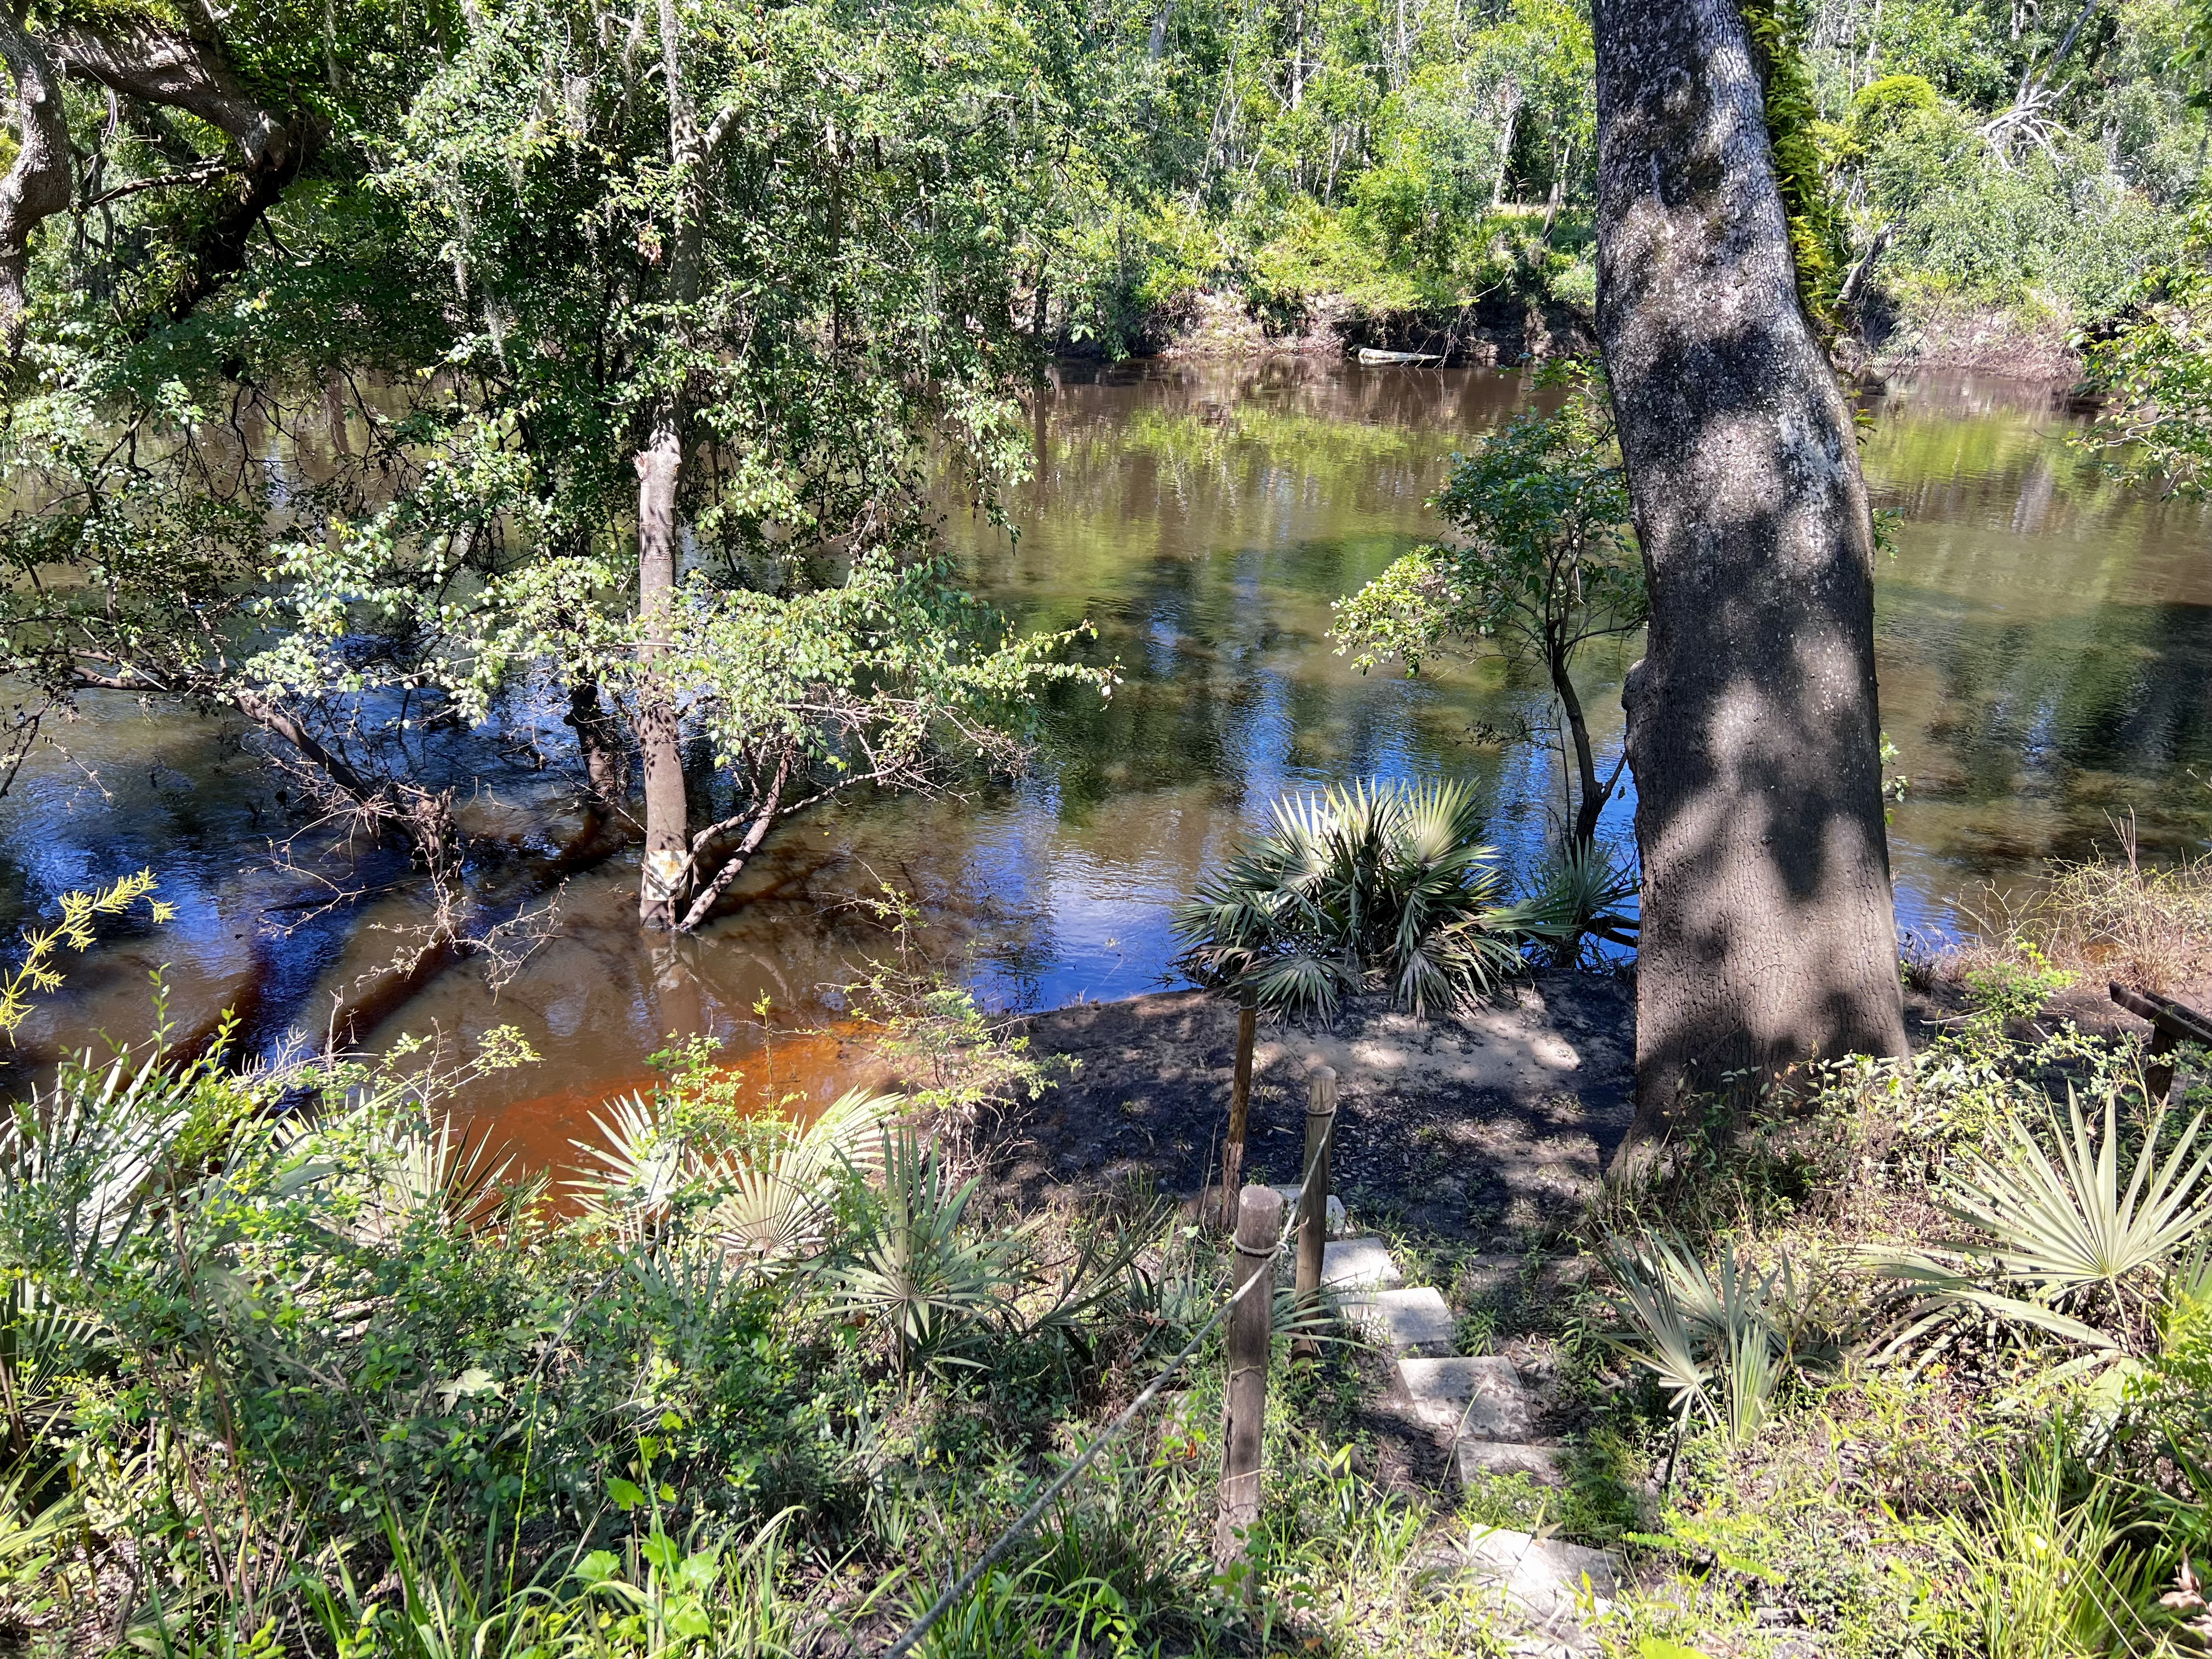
(142, 60)
(203, 175)
(157, 65)
(37, 187)
(763, 823)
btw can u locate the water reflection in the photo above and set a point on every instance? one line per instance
(2044, 661)
(2044, 650)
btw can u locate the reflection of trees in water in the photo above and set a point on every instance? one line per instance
(2010, 469)
(1228, 683)
(1217, 456)
(2101, 712)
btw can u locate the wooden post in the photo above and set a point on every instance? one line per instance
(1239, 1103)
(1244, 1409)
(1313, 1199)
(2171, 1025)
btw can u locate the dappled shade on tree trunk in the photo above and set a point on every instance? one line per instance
(1768, 933)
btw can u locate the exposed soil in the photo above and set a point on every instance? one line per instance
(1947, 333)
(1488, 1127)
(1491, 1127)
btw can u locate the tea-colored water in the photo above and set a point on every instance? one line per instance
(2045, 664)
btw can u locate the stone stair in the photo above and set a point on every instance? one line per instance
(1494, 1421)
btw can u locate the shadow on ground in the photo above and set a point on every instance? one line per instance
(1494, 1123)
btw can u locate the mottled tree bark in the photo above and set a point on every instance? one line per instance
(37, 184)
(1768, 933)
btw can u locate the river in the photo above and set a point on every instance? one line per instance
(2046, 669)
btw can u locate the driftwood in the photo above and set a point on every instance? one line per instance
(2171, 1024)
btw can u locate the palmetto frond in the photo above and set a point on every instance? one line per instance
(2059, 1228)
(92, 1147)
(1382, 886)
(763, 1212)
(429, 1172)
(2065, 1225)
(1585, 892)
(1669, 1339)
(912, 1269)
(1302, 984)
(630, 1178)
(775, 1210)
(1441, 822)
(1720, 1341)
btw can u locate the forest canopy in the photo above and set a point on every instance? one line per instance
(386, 368)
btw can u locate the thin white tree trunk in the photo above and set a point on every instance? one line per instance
(659, 464)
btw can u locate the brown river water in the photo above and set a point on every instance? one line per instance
(2046, 650)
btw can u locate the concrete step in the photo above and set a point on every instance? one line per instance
(1337, 1221)
(1545, 1579)
(1482, 1399)
(1358, 1264)
(1546, 1465)
(1415, 1321)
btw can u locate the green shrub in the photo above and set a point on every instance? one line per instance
(2018, 989)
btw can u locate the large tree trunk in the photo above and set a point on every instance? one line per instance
(1768, 933)
(37, 184)
(665, 882)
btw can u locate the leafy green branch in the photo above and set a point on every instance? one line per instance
(36, 975)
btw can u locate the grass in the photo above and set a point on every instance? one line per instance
(337, 1382)
(2147, 926)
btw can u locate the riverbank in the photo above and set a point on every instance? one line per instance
(1926, 332)
(1914, 332)
(1226, 324)
(861, 1364)
(1493, 1124)
(1489, 1129)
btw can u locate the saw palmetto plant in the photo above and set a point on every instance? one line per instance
(914, 1270)
(79, 1161)
(639, 1174)
(1720, 1341)
(2068, 1248)
(775, 1207)
(645, 1180)
(428, 1171)
(1378, 887)
(1587, 893)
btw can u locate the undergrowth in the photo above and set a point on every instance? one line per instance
(1902, 1359)
(2147, 926)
